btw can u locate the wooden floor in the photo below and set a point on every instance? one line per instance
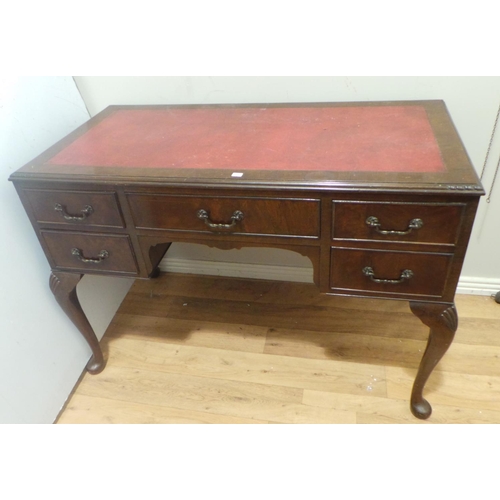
(193, 349)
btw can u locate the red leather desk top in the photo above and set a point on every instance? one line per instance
(358, 138)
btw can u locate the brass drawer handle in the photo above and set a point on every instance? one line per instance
(86, 211)
(204, 216)
(92, 260)
(374, 222)
(405, 275)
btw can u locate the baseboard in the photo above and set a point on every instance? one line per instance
(466, 285)
(238, 270)
(478, 286)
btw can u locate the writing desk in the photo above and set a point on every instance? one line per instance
(380, 196)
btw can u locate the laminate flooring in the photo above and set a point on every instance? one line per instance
(205, 349)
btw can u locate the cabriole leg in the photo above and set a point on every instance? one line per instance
(442, 320)
(63, 286)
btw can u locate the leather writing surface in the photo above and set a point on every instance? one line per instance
(395, 138)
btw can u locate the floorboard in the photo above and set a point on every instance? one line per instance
(203, 349)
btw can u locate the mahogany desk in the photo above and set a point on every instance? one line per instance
(380, 196)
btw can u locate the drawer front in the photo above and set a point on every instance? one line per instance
(257, 216)
(408, 222)
(75, 207)
(89, 252)
(391, 273)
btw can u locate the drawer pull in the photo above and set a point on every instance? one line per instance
(405, 275)
(92, 260)
(204, 216)
(374, 222)
(86, 211)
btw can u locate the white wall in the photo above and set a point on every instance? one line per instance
(472, 102)
(42, 355)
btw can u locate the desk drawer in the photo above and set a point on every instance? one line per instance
(257, 216)
(90, 252)
(391, 273)
(75, 207)
(408, 222)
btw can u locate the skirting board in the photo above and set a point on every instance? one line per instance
(478, 286)
(238, 270)
(466, 285)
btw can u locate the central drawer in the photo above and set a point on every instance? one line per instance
(255, 216)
